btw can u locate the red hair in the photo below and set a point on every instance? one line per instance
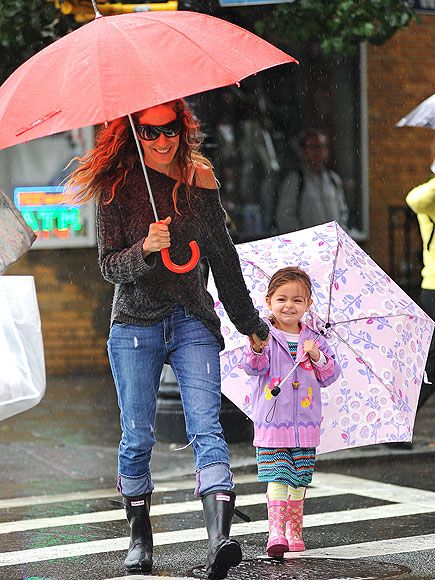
(103, 168)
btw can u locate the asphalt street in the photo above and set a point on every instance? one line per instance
(369, 513)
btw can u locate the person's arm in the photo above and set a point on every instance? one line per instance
(329, 372)
(421, 199)
(343, 207)
(322, 362)
(225, 265)
(118, 262)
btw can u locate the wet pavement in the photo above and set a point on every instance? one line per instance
(69, 443)
(369, 513)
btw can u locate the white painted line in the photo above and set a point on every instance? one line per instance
(173, 486)
(368, 549)
(119, 514)
(31, 500)
(197, 534)
(339, 483)
(370, 488)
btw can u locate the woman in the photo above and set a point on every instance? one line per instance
(159, 316)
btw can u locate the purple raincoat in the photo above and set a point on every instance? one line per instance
(293, 417)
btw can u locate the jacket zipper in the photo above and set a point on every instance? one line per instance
(295, 413)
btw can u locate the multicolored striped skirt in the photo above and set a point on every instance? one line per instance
(293, 467)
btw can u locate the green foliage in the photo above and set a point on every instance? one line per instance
(339, 25)
(26, 26)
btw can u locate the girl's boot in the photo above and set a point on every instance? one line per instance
(223, 552)
(140, 551)
(277, 515)
(293, 528)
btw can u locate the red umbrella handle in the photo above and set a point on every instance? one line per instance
(184, 267)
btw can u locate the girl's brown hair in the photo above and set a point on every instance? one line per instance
(103, 168)
(289, 274)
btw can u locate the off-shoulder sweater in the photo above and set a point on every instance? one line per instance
(145, 290)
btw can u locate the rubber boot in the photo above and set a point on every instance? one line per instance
(277, 516)
(140, 551)
(293, 529)
(223, 552)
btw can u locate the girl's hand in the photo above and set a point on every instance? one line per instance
(158, 237)
(256, 343)
(311, 349)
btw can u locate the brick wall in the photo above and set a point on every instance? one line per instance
(401, 73)
(74, 303)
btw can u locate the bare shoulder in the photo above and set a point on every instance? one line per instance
(204, 177)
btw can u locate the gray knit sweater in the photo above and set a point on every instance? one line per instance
(145, 290)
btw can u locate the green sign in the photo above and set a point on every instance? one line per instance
(55, 223)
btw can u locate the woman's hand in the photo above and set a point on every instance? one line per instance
(256, 343)
(158, 237)
(311, 349)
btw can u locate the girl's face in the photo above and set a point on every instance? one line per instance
(288, 304)
(159, 153)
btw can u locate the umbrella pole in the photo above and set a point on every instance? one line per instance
(178, 269)
(97, 12)
(139, 149)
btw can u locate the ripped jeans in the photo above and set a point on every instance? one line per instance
(137, 355)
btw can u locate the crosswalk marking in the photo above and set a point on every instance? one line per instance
(376, 548)
(119, 514)
(31, 500)
(404, 501)
(197, 534)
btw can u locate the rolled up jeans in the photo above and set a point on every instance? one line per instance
(137, 355)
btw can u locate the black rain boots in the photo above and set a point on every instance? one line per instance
(223, 552)
(140, 551)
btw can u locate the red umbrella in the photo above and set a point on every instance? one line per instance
(116, 65)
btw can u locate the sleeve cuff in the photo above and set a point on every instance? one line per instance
(141, 265)
(322, 362)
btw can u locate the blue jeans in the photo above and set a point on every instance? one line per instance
(137, 355)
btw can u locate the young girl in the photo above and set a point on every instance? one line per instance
(287, 417)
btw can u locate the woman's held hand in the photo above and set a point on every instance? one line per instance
(158, 237)
(257, 344)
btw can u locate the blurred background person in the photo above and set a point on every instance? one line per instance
(421, 200)
(311, 194)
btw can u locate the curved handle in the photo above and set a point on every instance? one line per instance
(184, 267)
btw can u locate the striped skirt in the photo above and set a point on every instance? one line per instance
(293, 467)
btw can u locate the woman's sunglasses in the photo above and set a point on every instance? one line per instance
(152, 132)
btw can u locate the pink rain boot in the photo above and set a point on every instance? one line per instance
(293, 528)
(277, 514)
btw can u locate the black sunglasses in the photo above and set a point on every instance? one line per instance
(152, 132)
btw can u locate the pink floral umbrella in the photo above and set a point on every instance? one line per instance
(379, 335)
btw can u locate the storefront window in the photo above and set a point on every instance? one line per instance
(252, 137)
(32, 175)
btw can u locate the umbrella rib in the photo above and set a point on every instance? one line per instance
(332, 276)
(374, 317)
(255, 266)
(367, 364)
(192, 42)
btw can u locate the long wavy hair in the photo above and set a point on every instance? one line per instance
(102, 169)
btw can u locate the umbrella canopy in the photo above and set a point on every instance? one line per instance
(378, 334)
(117, 65)
(422, 116)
